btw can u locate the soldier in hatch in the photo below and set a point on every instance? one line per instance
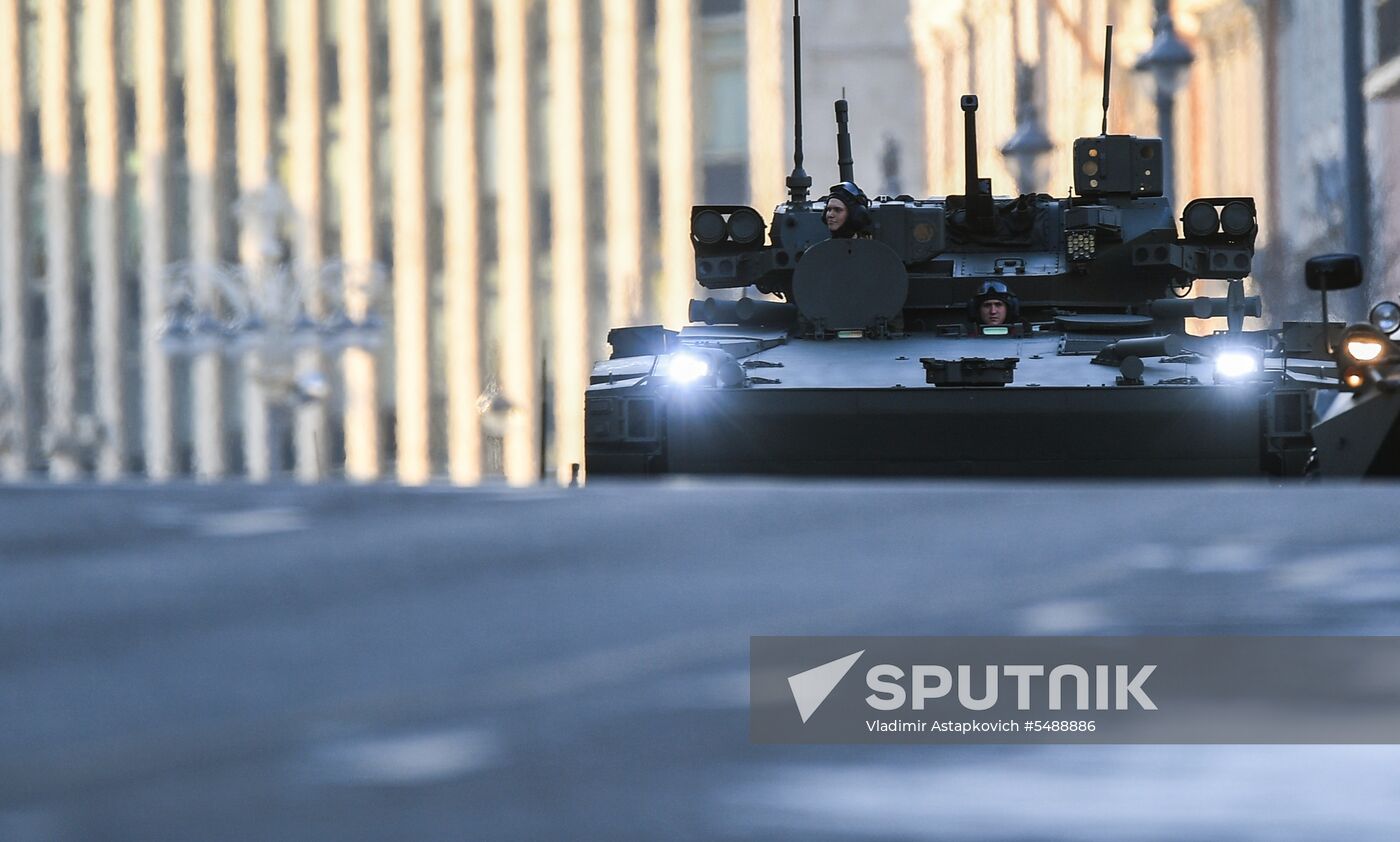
(993, 305)
(847, 213)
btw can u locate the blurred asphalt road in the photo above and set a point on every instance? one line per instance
(245, 662)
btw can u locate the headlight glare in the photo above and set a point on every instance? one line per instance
(1233, 365)
(687, 367)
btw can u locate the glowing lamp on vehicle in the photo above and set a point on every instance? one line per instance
(1364, 350)
(1364, 344)
(688, 367)
(1236, 365)
(695, 367)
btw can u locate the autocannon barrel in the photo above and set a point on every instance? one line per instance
(1199, 308)
(1179, 308)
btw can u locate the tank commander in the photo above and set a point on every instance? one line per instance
(993, 305)
(846, 213)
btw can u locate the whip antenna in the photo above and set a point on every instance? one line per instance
(1107, 72)
(799, 181)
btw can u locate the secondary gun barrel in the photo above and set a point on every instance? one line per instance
(969, 107)
(977, 198)
(843, 143)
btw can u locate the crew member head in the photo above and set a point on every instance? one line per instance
(846, 213)
(993, 305)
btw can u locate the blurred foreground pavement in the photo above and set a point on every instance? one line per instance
(241, 662)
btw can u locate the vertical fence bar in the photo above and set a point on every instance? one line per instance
(104, 154)
(60, 243)
(408, 107)
(515, 230)
(201, 31)
(357, 234)
(306, 141)
(261, 454)
(676, 153)
(153, 191)
(768, 125)
(16, 445)
(461, 253)
(623, 162)
(569, 255)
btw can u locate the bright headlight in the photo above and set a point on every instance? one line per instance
(1364, 349)
(1233, 365)
(688, 367)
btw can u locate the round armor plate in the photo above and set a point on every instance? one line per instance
(850, 284)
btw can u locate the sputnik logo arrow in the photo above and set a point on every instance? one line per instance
(810, 688)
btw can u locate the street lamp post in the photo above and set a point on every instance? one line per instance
(1029, 144)
(1166, 61)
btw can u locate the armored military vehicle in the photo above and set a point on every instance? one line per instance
(869, 354)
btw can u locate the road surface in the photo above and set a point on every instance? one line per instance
(240, 662)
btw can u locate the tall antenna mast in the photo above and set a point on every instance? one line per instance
(799, 181)
(1107, 73)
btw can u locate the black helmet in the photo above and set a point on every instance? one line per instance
(856, 202)
(848, 192)
(998, 290)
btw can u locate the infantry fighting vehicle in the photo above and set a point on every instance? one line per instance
(865, 357)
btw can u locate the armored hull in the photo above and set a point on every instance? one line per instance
(864, 407)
